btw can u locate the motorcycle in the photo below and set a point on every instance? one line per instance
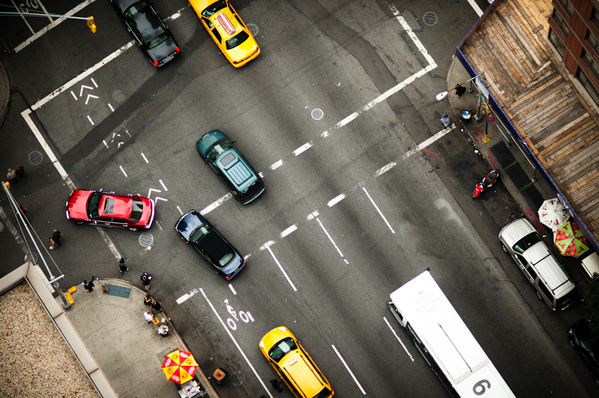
(487, 182)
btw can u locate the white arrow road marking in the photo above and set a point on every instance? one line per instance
(90, 96)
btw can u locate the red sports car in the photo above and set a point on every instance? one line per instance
(110, 209)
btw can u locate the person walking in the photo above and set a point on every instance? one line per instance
(146, 278)
(55, 239)
(445, 120)
(20, 171)
(11, 176)
(276, 384)
(122, 265)
(89, 286)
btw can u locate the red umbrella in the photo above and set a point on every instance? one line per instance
(570, 240)
(179, 366)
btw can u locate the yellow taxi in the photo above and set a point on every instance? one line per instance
(293, 364)
(227, 30)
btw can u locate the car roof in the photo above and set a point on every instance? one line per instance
(214, 246)
(115, 206)
(124, 4)
(235, 167)
(148, 25)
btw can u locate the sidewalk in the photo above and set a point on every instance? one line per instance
(128, 349)
(516, 172)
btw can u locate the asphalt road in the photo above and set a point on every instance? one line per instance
(331, 113)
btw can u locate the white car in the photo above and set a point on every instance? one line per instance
(521, 240)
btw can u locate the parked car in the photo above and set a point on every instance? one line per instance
(220, 153)
(521, 240)
(206, 240)
(148, 29)
(587, 343)
(110, 209)
(227, 30)
(294, 365)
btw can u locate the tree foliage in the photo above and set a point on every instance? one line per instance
(591, 299)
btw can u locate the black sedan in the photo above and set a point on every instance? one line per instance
(197, 231)
(587, 343)
(149, 30)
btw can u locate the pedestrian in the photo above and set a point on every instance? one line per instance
(11, 176)
(148, 316)
(55, 239)
(122, 265)
(147, 299)
(445, 119)
(20, 171)
(276, 384)
(156, 306)
(460, 90)
(89, 286)
(145, 280)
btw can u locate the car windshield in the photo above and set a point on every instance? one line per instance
(237, 40)
(92, 204)
(157, 41)
(135, 8)
(226, 259)
(137, 210)
(212, 8)
(217, 149)
(198, 233)
(525, 243)
(282, 348)
(591, 343)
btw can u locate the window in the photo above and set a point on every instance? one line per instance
(545, 291)
(568, 6)
(584, 79)
(561, 22)
(593, 41)
(557, 42)
(590, 62)
(595, 17)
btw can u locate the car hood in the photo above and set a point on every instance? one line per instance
(209, 139)
(243, 50)
(188, 223)
(515, 231)
(77, 204)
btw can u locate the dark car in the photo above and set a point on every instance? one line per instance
(236, 172)
(149, 30)
(110, 209)
(197, 231)
(587, 343)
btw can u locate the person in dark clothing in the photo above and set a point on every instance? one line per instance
(276, 384)
(122, 265)
(148, 299)
(20, 172)
(460, 90)
(146, 278)
(156, 306)
(89, 286)
(55, 239)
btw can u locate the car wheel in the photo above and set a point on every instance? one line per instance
(539, 296)
(504, 248)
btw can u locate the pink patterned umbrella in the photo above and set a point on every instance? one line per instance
(553, 214)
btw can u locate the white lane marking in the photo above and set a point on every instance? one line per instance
(93, 81)
(145, 158)
(398, 339)
(90, 96)
(347, 119)
(52, 25)
(163, 186)
(187, 296)
(412, 35)
(331, 239)
(215, 204)
(123, 170)
(377, 209)
(90, 120)
(313, 215)
(349, 370)
(429, 141)
(180, 211)
(288, 231)
(74, 95)
(80, 77)
(267, 246)
(232, 290)
(276, 164)
(385, 169)
(336, 200)
(325, 134)
(302, 148)
(235, 342)
(476, 8)
(153, 190)
(111, 108)
(83, 87)
(160, 198)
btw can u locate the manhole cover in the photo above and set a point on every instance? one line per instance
(146, 239)
(430, 18)
(118, 96)
(31, 257)
(35, 158)
(237, 378)
(253, 29)
(317, 114)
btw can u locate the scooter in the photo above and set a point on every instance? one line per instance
(487, 182)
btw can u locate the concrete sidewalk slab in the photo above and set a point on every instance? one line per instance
(127, 348)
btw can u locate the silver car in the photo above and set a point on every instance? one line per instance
(521, 240)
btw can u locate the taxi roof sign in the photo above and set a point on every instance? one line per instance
(226, 23)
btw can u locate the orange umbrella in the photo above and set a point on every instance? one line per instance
(179, 366)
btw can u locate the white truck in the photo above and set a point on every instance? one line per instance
(445, 341)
